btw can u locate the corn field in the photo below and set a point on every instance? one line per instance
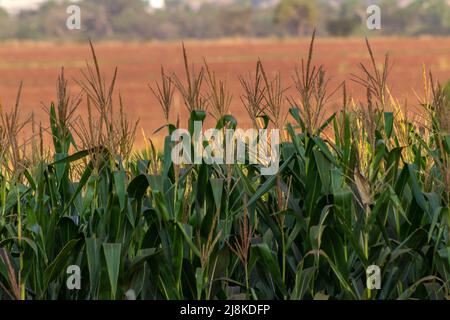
(366, 185)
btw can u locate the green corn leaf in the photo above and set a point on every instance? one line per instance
(112, 253)
(388, 123)
(119, 182)
(93, 247)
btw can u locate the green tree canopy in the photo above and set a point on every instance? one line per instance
(298, 16)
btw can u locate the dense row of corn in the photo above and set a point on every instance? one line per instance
(366, 186)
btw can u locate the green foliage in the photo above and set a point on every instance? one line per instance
(6, 29)
(348, 19)
(299, 16)
(129, 20)
(447, 90)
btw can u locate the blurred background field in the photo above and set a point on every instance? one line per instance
(38, 64)
(139, 36)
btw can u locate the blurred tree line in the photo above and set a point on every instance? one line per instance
(131, 20)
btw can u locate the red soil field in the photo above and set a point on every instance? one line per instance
(38, 65)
